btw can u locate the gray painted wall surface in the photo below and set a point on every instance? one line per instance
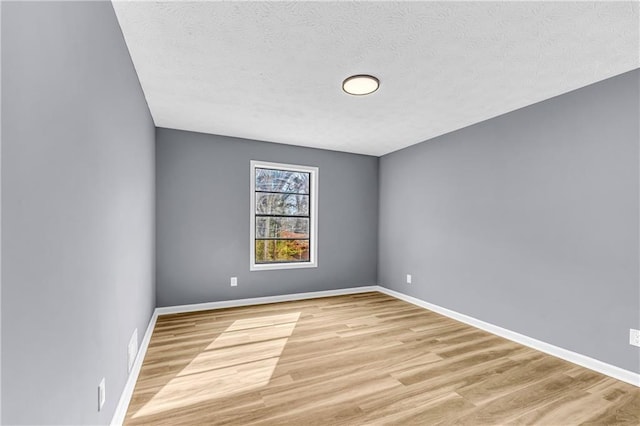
(202, 208)
(528, 221)
(77, 220)
(1, 3)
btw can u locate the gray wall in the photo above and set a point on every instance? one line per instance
(528, 221)
(202, 207)
(77, 219)
(1, 3)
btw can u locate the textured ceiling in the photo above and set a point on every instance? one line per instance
(273, 70)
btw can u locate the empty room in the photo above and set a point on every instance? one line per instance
(320, 213)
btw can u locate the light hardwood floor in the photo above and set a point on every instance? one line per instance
(360, 359)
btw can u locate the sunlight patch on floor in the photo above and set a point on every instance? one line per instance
(242, 358)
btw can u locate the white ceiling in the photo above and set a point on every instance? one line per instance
(273, 70)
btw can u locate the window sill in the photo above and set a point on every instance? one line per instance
(278, 266)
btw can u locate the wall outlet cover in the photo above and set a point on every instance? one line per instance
(102, 395)
(634, 337)
(234, 281)
(408, 278)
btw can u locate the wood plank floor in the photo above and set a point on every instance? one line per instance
(360, 359)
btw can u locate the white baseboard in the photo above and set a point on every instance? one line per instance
(125, 398)
(127, 392)
(574, 357)
(263, 300)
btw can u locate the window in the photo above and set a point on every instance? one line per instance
(284, 216)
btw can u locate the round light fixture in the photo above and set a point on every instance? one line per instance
(359, 85)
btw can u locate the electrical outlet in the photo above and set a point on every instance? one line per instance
(634, 337)
(102, 396)
(132, 350)
(234, 281)
(408, 278)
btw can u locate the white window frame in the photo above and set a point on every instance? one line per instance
(313, 220)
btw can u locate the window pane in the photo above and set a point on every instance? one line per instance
(282, 251)
(282, 204)
(282, 227)
(282, 181)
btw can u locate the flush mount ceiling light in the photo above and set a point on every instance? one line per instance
(359, 85)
